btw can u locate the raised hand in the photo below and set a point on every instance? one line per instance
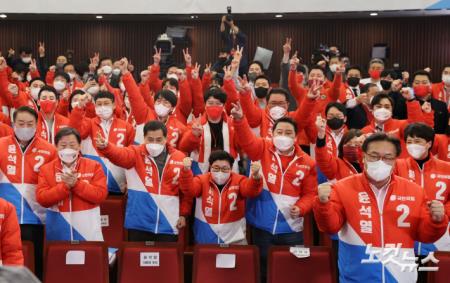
(100, 141)
(238, 53)
(406, 93)
(255, 170)
(314, 91)
(145, 75)
(321, 125)
(228, 72)
(157, 56)
(294, 62)
(236, 111)
(123, 65)
(245, 85)
(187, 57)
(396, 85)
(187, 163)
(33, 65)
(197, 128)
(436, 209)
(11, 52)
(130, 67)
(324, 192)
(41, 49)
(196, 71)
(13, 89)
(287, 47)
(426, 107)
(207, 68)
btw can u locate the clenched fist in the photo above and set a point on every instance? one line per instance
(324, 192)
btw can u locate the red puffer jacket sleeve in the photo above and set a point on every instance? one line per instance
(47, 195)
(186, 199)
(11, 244)
(155, 82)
(96, 190)
(330, 216)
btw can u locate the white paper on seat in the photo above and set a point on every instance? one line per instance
(225, 261)
(75, 257)
(264, 56)
(104, 220)
(300, 252)
(149, 259)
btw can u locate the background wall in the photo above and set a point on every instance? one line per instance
(415, 42)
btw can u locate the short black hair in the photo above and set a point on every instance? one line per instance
(75, 92)
(377, 137)
(172, 82)
(154, 126)
(220, 155)
(348, 136)
(420, 130)
(367, 86)
(67, 131)
(390, 73)
(421, 73)
(104, 94)
(36, 79)
(338, 106)
(50, 89)
(64, 75)
(278, 90)
(69, 64)
(353, 67)
(257, 63)
(25, 109)
(216, 93)
(167, 95)
(263, 77)
(317, 67)
(25, 49)
(377, 99)
(285, 120)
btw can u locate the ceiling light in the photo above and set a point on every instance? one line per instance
(3, 16)
(374, 14)
(278, 16)
(99, 17)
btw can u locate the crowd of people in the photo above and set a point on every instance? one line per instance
(228, 149)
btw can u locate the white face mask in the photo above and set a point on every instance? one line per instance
(34, 91)
(59, 85)
(26, 60)
(154, 149)
(24, 134)
(333, 67)
(446, 79)
(107, 69)
(68, 155)
(416, 150)
(71, 76)
(104, 112)
(220, 178)
(283, 143)
(93, 90)
(116, 71)
(277, 112)
(382, 114)
(172, 76)
(74, 104)
(161, 110)
(378, 170)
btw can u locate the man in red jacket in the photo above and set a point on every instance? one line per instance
(375, 210)
(10, 242)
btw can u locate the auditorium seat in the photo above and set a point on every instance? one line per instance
(76, 262)
(225, 264)
(442, 275)
(28, 254)
(284, 267)
(159, 263)
(308, 238)
(112, 212)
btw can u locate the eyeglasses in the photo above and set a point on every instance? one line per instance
(218, 169)
(375, 157)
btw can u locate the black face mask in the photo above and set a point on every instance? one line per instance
(261, 92)
(386, 85)
(353, 82)
(335, 123)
